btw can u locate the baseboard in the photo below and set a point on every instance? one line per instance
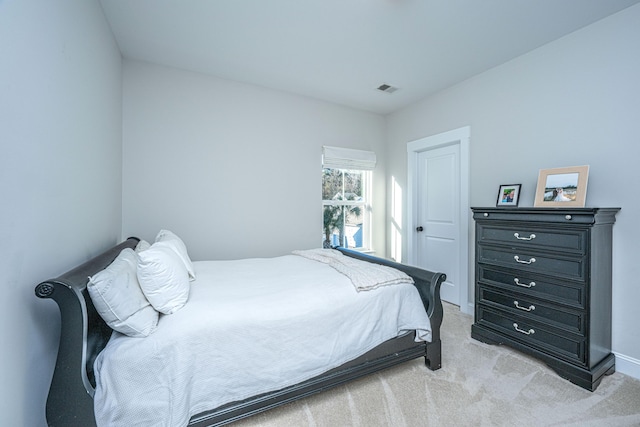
(627, 365)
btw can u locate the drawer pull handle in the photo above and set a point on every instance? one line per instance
(524, 285)
(531, 307)
(517, 236)
(522, 331)
(531, 260)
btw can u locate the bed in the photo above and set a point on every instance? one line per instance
(86, 342)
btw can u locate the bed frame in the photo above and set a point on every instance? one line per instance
(84, 334)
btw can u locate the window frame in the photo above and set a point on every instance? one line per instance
(365, 203)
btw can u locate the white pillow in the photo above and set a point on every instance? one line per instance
(181, 249)
(117, 296)
(163, 277)
(142, 245)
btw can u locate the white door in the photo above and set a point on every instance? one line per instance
(438, 210)
(438, 221)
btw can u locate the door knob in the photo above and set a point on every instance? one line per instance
(419, 229)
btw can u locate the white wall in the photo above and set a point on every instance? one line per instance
(233, 169)
(569, 103)
(60, 177)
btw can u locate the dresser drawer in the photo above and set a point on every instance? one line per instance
(534, 334)
(530, 261)
(568, 293)
(532, 309)
(574, 241)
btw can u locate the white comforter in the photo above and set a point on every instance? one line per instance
(250, 326)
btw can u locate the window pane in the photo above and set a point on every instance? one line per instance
(331, 184)
(353, 226)
(333, 226)
(353, 185)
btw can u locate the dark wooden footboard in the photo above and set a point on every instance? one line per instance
(428, 284)
(84, 335)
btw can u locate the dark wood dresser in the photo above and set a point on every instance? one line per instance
(543, 286)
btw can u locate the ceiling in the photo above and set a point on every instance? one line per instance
(342, 50)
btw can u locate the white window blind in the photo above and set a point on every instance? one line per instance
(347, 158)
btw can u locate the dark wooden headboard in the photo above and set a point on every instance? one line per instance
(82, 338)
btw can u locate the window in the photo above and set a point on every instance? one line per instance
(346, 197)
(345, 208)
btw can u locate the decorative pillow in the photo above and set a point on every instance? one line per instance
(142, 245)
(163, 277)
(178, 245)
(117, 296)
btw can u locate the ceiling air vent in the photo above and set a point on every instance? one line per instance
(387, 88)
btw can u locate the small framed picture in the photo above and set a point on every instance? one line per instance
(562, 187)
(508, 195)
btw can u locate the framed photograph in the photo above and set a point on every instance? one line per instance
(508, 195)
(562, 187)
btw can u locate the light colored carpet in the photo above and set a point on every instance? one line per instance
(478, 385)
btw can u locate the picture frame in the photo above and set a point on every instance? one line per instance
(562, 187)
(508, 195)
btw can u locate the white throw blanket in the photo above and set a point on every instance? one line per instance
(364, 276)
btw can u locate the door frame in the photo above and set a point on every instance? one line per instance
(461, 137)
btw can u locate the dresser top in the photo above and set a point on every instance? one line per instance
(544, 210)
(565, 215)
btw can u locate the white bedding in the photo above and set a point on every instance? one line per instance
(244, 331)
